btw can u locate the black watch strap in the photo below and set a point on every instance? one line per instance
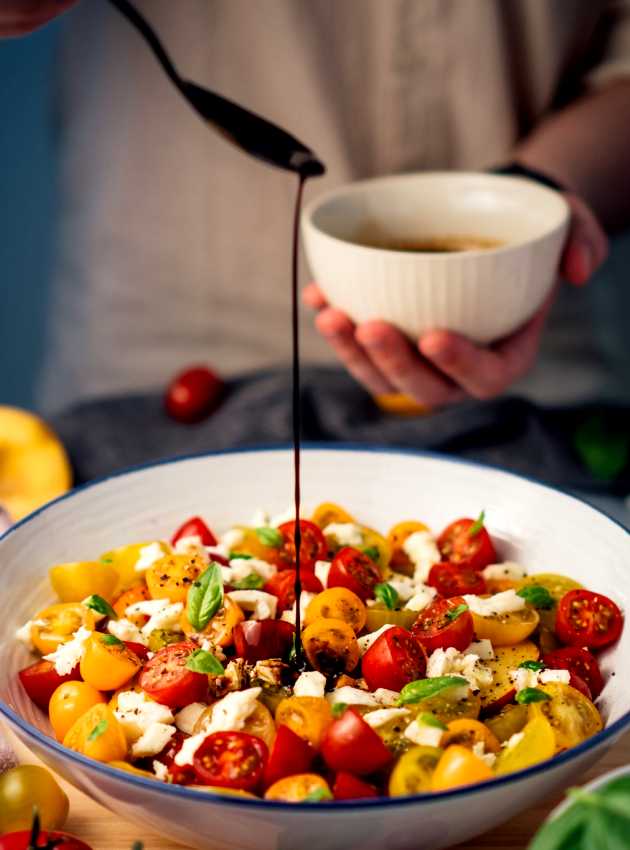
(515, 169)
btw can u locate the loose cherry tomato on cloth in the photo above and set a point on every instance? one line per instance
(289, 754)
(231, 760)
(25, 787)
(282, 585)
(59, 840)
(349, 787)
(195, 527)
(351, 744)
(167, 680)
(40, 680)
(354, 570)
(312, 546)
(579, 662)
(394, 659)
(444, 623)
(193, 394)
(588, 619)
(467, 543)
(256, 640)
(455, 580)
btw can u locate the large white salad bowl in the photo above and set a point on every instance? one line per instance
(541, 528)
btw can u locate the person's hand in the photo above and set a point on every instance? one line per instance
(444, 367)
(19, 17)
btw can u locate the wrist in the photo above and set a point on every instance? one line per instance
(517, 169)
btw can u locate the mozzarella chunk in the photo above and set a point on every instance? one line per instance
(345, 533)
(516, 738)
(547, 676)
(148, 556)
(383, 715)
(23, 634)
(524, 678)
(261, 605)
(136, 713)
(351, 696)
(153, 740)
(366, 641)
(422, 552)
(286, 515)
(306, 597)
(186, 718)
(310, 684)
(450, 662)
(192, 546)
(506, 602)
(483, 648)
(260, 518)
(421, 598)
(423, 734)
(242, 567)
(162, 614)
(219, 549)
(404, 586)
(160, 770)
(67, 655)
(507, 570)
(386, 697)
(124, 629)
(479, 750)
(231, 540)
(322, 568)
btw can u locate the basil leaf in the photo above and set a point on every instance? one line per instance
(529, 695)
(532, 665)
(111, 640)
(270, 537)
(477, 525)
(137, 845)
(423, 689)
(107, 560)
(562, 833)
(317, 795)
(240, 556)
(253, 581)
(100, 605)
(99, 729)
(456, 612)
(431, 720)
(537, 596)
(205, 597)
(372, 552)
(387, 594)
(201, 661)
(338, 708)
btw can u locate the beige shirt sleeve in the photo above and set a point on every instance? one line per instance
(616, 60)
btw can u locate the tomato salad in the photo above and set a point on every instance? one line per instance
(429, 662)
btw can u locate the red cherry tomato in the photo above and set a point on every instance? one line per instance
(349, 787)
(195, 527)
(459, 546)
(354, 570)
(588, 619)
(579, 662)
(22, 841)
(177, 774)
(312, 547)
(193, 394)
(350, 744)
(289, 755)
(167, 680)
(256, 640)
(435, 627)
(455, 580)
(580, 685)
(231, 760)
(40, 680)
(282, 585)
(138, 649)
(394, 659)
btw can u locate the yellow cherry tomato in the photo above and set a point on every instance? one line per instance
(107, 664)
(138, 593)
(413, 772)
(259, 723)
(97, 734)
(75, 581)
(396, 536)
(466, 733)
(572, 716)
(506, 659)
(535, 743)
(373, 540)
(57, 623)
(69, 702)
(557, 585)
(331, 646)
(173, 575)
(130, 768)
(252, 545)
(446, 710)
(337, 603)
(459, 766)
(510, 720)
(124, 560)
(27, 787)
(328, 513)
(299, 787)
(506, 629)
(498, 585)
(379, 615)
(308, 717)
(220, 628)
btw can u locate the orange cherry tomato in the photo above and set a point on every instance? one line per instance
(467, 732)
(459, 766)
(69, 702)
(107, 664)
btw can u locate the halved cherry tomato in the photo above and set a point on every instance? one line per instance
(459, 546)
(535, 744)
(22, 841)
(455, 580)
(393, 660)
(282, 585)
(396, 537)
(506, 659)
(506, 629)
(193, 394)
(312, 546)
(57, 623)
(437, 627)
(288, 754)
(195, 527)
(138, 649)
(579, 662)
(107, 664)
(308, 717)
(40, 680)
(351, 744)
(299, 788)
(413, 772)
(73, 582)
(167, 680)
(588, 619)
(354, 570)
(138, 593)
(172, 576)
(331, 646)
(580, 685)
(69, 702)
(220, 629)
(467, 732)
(347, 786)
(231, 760)
(572, 716)
(177, 774)
(98, 735)
(328, 513)
(459, 766)
(337, 603)
(256, 640)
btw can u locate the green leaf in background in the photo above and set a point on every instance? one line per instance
(603, 447)
(270, 537)
(387, 594)
(205, 597)
(201, 661)
(317, 795)
(537, 596)
(253, 581)
(111, 640)
(477, 525)
(532, 665)
(562, 833)
(529, 695)
(100, 605)
(423, 689)
(454, 613)
(99, 729)
(372, 552)
(431, 720)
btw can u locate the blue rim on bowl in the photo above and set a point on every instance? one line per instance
(181, 791)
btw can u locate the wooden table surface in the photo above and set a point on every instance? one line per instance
(104, 831)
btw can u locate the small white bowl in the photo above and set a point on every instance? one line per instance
(482, 294)
(533, 524)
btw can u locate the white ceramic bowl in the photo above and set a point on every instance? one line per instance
(484, 294)
(533, 524)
